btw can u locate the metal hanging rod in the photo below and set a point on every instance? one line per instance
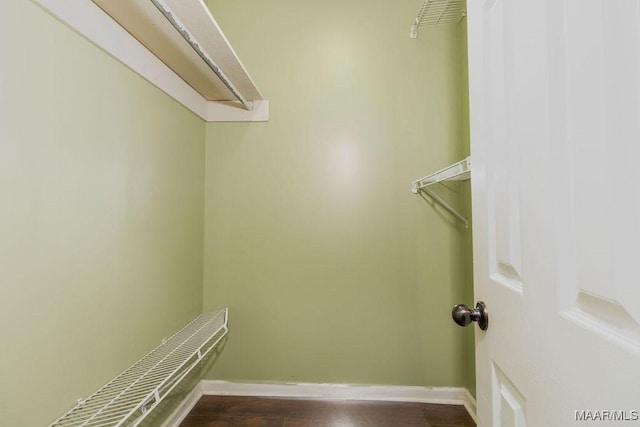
(188, 37)
(434, 12)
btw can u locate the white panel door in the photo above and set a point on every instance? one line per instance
(555, 138)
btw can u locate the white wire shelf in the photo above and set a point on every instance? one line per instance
(456, 172)
(435, 12)
(459, 171)
(131, 396)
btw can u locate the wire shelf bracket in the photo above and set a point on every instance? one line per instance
(131, 396)
(435, 12)
(459, 171)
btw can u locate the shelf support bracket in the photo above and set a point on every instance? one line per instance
(446, 205)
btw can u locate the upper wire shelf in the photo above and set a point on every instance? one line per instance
(434, 12)
(131, 396)
(456, 172)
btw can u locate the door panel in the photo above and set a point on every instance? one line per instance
(555, 133)
(597, 55)
(503, 188)
(509, 404)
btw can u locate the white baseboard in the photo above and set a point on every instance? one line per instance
(470, 405)
(181, 412)
(443, 395)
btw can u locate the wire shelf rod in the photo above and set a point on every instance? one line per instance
(440, 16)
(435, 12)
(444, 9)
(132, 411)
(456, 172)
(164, 9)
(182, 376)
(133, 394)
(447, 206)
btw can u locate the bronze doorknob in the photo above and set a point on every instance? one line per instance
(464, 315)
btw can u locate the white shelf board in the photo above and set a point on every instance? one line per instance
(161, 55)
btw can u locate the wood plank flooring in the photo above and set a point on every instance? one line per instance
(223, 411)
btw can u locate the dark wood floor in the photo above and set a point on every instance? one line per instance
(222, 411)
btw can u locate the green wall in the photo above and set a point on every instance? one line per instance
(101, 216)
(333, 270)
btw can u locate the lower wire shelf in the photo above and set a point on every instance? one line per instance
(131, 396)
